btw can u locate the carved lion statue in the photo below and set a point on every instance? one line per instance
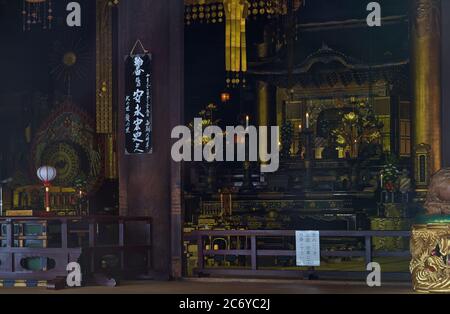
(438, 198)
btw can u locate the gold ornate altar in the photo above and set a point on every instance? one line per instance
(430, 240)
(27, 201)
(429, 265)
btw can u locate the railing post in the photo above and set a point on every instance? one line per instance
(368, 245)
(122, 243)
(200, 252)
(121, 233)
(150, 244)
(64, 231)
(254, 253)
(9, 234)
(92, 232)
(10, 244)
(92, 237)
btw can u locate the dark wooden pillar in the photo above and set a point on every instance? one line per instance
(176, 72)
(150, 185)
(445, 66)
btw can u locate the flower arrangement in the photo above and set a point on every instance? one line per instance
(207, 116)
(80, 182)
(389, 175)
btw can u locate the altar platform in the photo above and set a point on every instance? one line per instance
(230, 287)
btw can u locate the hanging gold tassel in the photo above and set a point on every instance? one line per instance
(244, 44)
(227, 40)
(235, 40)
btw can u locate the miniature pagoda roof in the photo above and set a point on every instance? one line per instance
(329, 67)
(340, 52)
(324, 59)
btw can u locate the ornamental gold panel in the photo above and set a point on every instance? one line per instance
(429, 265)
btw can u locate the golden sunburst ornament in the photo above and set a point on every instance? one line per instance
(68, 61)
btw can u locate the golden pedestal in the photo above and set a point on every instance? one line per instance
(430, 245)
(20, 213)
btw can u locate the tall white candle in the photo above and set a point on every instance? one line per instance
(247, 121)
(307, 120)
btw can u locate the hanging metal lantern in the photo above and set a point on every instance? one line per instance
(37, 12)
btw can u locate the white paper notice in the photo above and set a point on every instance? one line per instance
(308, 248)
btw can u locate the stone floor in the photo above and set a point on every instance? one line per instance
(228, 286)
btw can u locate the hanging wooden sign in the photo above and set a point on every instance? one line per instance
(138, 104)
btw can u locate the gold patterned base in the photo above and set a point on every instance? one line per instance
(19, 213)
(429, 265)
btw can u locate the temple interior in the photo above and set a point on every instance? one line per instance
(361, 109)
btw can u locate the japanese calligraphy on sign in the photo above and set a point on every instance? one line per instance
(308, 248)
(138, 105)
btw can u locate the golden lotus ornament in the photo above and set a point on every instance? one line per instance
(350, 116)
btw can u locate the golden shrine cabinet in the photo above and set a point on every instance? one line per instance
(30, 199)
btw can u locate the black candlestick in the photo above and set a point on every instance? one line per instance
(247, 185)
(309, 158)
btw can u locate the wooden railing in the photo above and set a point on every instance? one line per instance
(11, 256)
(252, 251)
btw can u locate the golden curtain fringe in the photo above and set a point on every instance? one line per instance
(236, 12)
(203, 10)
